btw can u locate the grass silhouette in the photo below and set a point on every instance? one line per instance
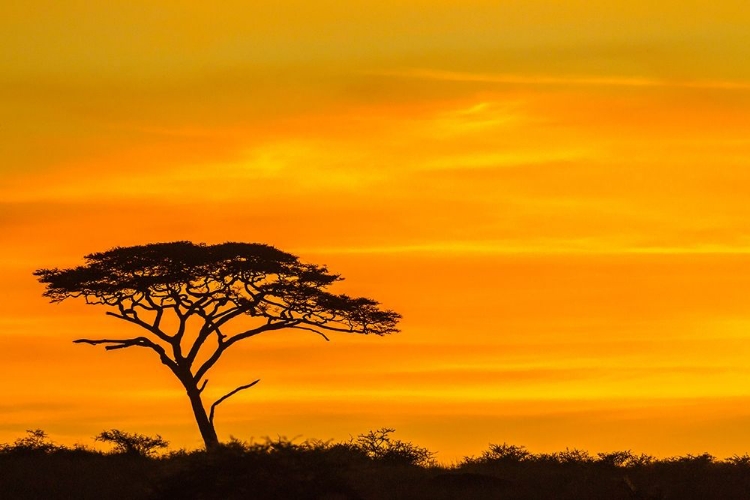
(372, 466)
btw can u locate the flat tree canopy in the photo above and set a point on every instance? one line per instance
(190, 300)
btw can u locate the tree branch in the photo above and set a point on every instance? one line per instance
(255, 331)
(142, 324)
(324, 324)
(227, 396)
(201, 338)
(311, 330)
(118, 343)
(135, 342)
(232, 312)
(240, 336)
(212, 324)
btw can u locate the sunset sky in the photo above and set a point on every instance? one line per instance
(553, 194)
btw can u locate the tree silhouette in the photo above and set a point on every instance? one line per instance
(195, 301)
(129, 443)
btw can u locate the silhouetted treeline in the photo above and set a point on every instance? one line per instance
(371, 466)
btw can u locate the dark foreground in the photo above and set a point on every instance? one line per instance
(372, 466)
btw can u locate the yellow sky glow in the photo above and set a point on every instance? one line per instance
(553, 194)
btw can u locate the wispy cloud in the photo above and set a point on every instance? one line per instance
(496, 160)
(508, 78)
(581, 246)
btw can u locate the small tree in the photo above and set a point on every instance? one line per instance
(378, 445)
(190, 300)
(35, 441)
(132, 444)
(504, 453)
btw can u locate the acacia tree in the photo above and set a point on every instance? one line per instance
(195, 301)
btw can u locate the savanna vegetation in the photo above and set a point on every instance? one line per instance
(373, 465)
(190, 303)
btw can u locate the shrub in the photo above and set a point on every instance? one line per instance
(615, 458)
(574, 456)
(703, 459)
(739, 460)
(36, 441)
(641, 460)
(502, 453)
(378, 445)
(132, 444)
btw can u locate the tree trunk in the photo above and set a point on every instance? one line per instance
(206, 427)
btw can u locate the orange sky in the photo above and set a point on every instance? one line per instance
(554, 197)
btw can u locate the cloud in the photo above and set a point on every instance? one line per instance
(540, 80)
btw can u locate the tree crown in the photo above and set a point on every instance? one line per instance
(217, 282)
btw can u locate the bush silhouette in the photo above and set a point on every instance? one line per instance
(501, 453)
(378, 445)
(372, 466)
(132, 444)
(35, 441)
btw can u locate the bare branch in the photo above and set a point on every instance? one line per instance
(263, 328)
(157, 320)
(227, 396)
(212, 323)
(113, 344)
(241, 336)
(226, 315)
(203, 334)
(117, 343)
(137, 321)
(203, 386)
(311, 330)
